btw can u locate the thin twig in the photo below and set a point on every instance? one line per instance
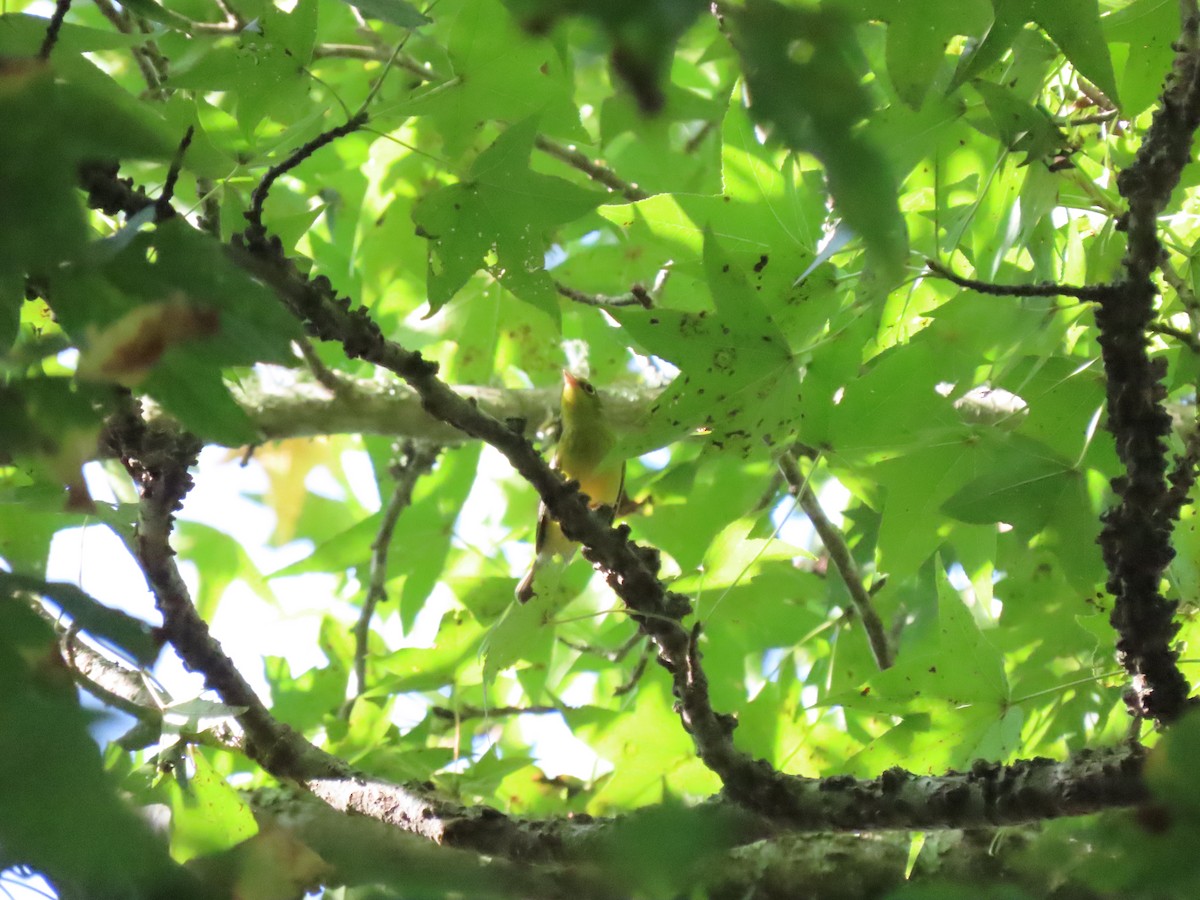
(771, 493)
(355, 51)
(839, 553)
(154, 57)
(612, 656)
(415, 461)
(697, 139)
(215, 28)
(210, 206)
(162, 207)
(635, 676)
(355, 122)
(1182, 290)
(592, 169)
(123, 22)
(1097, 96)
(259, 197)
(1094, 119)
(52, 30)
(119, 18)
(462, 713)
(1186, 338)
(1087, 293)
(325, 376)
(231, 14)
(637, 296)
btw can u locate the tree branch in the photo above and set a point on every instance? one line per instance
(413, 463)
(989, 795)
(1136, 534)
(637, 296)
(263, 189)
(462, 713)
(283, 405)
(1024, 791)
(53, 28)
(158, 458)
(1088, 293)
(596, 171)
(839, 553)
(631, 569)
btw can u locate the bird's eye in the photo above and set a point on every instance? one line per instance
(587, 387)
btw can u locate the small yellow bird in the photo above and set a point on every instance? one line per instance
(583, 455)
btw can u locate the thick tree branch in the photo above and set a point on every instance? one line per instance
(767, 868)
(116, 684)
(283, 405)
(158, 460)
(1136, 537)
(157, 456)
(368, 852)
(990, 794)
(631, 570)
(1136, 533)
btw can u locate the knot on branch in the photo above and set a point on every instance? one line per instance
(676, 606)
(108, 192)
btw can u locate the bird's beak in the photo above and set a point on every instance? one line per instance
(570, 382)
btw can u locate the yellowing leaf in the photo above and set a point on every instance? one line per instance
(127, 350)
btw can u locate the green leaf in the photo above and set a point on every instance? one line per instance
(1145, 30)
(1021, 126)
(264, 71)
(661, 850)
(170, 311)
(1073, 25)
(148, 9)
(41, 219)
(502, 205)
(916, 44)
(222, 560)
(1021, 484)
(207, 815)
(395, 12)
(49, 763)
(497, 73)
(738, 379)
(954, 696)
(802, 81)
(524, 632)
(643, 36)
(645, 771)
(303, 701)
(133, 636)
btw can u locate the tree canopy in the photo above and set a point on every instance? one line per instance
(891, 307)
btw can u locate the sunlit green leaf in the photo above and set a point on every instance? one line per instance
(502, 205)
(397, 12)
